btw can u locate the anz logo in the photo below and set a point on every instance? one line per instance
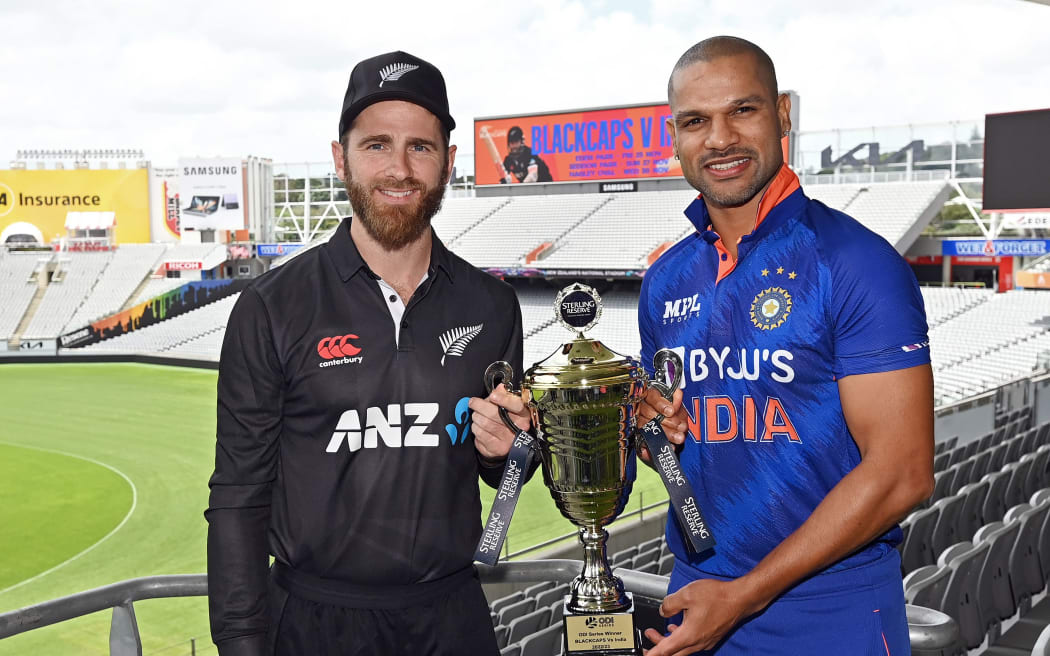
(682, 309)
(396, 426)
(459, 431)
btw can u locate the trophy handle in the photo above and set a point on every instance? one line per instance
(502, 372)
(661, 359)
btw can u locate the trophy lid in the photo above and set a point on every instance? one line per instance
(582, 362)
(578, 308)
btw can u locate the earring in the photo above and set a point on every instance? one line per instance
(676, 155)
(787, 132)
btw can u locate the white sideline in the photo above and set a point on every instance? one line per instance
(134, 503)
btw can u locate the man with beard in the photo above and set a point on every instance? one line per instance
(520, 163)
(346, 447)
(807, 422)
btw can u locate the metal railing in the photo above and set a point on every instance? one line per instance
(928, 629)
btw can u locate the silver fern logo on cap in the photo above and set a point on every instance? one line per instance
(394, 72)
(455, 340)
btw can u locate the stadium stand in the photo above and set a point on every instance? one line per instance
(623, 232)
(620, 231)
(979, 339)
(1041, 265)
(458, 215)
(189, 334)
(997, 338)
(156, 286)
(17, 287)
(980, 551)
(75, 275)
(130, 265)
(945, 303)
(896, 210)
(523, 224)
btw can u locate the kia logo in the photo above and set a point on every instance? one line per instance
(337, 347)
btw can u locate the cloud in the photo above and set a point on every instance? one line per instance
(215, 78)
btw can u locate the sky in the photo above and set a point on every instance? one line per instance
(265, 78)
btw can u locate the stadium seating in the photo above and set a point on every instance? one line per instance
(130, 265)
(458, 215)
(620, 231)
(891, 209)
(945, 303)
(993, 578)
(16, 287)
(518, 227)
(74, 277)
(623, 232)
(185, 335)
(529, 622)
(158, 286)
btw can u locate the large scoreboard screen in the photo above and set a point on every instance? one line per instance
(1017, 161)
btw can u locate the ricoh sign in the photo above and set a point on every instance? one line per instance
(184, 266)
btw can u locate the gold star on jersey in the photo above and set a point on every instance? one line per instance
(770, 308)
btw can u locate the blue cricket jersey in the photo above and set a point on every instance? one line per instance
(812, 296)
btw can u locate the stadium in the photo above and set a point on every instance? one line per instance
(118, 276)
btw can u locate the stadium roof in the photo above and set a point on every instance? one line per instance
(90, 220)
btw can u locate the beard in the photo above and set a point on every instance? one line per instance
(394, 227)
(728, 198)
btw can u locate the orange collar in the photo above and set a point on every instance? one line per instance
(784, 183)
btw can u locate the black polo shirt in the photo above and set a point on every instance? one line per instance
(341, 452)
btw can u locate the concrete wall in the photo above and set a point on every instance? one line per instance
(1041, 388)
(967, 420)
(110, 357)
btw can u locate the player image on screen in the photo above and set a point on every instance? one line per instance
(806, 418)
(351, 428)
(521, 163)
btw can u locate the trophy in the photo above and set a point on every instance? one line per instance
(583, 399)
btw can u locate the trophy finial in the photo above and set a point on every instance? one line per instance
(578, 308)
(668, 372)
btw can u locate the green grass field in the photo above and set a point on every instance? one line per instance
(103, 477)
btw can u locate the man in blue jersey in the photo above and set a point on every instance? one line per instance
(806, 415)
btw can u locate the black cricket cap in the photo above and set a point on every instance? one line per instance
(515, 134)
(395, 76)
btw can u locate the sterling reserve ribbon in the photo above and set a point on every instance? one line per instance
(682, 499)
(502, 510)
(519, 459)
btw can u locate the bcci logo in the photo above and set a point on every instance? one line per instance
(770, 308)
(7, 199)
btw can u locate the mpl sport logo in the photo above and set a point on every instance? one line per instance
(338, 350)
(682, 309)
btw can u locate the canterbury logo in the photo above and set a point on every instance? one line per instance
(394, 72)
(454, 341)
(337, 347)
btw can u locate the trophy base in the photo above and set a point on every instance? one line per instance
(605, 634)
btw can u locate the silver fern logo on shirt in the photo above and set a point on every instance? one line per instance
(455, 340)
(393, 72)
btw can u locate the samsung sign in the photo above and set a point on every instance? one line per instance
(996, 247)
